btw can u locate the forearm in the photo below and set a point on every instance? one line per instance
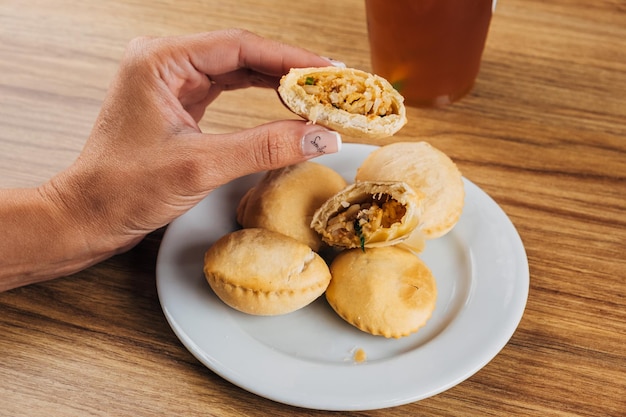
(40, 240)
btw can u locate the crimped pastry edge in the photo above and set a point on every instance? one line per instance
(375, 331)
(259, 302)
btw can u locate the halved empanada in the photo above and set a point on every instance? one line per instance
(369, 214)
(347, 100)
(427, 170)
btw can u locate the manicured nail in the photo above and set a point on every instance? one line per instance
(335, 63)
(321, 142)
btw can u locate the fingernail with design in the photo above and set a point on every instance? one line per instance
(321, 142)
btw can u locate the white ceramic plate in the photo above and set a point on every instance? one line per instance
(306, 358)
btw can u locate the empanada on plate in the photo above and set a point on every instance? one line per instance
(347, 100)
(383, 291)
(285, 199)
(261, 272)
(428, 171)
(369, 214)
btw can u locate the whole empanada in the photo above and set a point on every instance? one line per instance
(383, 291)
(261, 272)
(285, 199)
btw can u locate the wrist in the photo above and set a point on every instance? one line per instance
(41, 239)
(88, 214)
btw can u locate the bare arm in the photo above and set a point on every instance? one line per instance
(41, 240)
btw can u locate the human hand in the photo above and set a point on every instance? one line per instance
(147, 161)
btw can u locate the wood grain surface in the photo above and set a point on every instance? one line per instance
(543, 132)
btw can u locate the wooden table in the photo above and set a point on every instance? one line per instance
(543, 132)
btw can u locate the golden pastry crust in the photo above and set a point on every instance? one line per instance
(369, 214)
(427, 170)
(261, 272)
(385, 291)
(350, 101)
(285, 200)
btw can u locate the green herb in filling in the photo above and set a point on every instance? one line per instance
(359, 233)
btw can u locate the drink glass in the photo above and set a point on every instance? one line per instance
(430, 50)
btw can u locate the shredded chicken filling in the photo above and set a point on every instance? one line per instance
(361, 219)
(354, 95)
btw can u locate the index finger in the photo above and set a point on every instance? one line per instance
(225, 51)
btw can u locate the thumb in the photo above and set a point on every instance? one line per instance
(275, 145)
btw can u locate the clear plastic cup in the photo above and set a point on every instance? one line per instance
(430, 50)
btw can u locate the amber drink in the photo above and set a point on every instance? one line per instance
(430, 50)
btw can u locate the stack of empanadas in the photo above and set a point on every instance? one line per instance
(402, 195)
(271, 266)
